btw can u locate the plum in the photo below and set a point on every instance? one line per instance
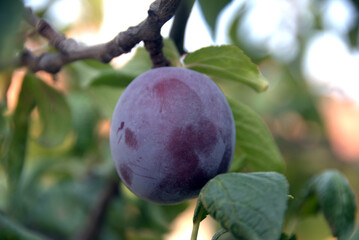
(172, 131)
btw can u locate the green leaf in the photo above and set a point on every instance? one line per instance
(4, 131)
(171, 52)
(331, 193)
(96, 65)
(354, 35)
(211, 10)
(112, 78)
(16, 149)
(62, 209)
(254, 141)
(337, 201)
(234, 26)
(14, 231)
(226, 63)
(223, 235)
(84, 122)
(249, 205)
(104, 98)
(138, 64)
(11, 13)
(120, 78)
(84, 71)
(54, 113)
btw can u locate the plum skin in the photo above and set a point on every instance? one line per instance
(172, 131)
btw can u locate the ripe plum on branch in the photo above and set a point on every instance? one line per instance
(171, 132)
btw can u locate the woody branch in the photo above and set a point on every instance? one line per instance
(69, 50)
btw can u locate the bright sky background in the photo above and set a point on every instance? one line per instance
(329, 63)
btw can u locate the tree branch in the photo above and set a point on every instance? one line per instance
(70, 50)
(93, 226)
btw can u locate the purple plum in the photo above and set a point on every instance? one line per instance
(172, 131)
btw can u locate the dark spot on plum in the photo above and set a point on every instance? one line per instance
(184, 157)
(199, 138)
(121, 126)
(130, 138)
(176, 185)
(171, 91)
(126, 173)
(163, 88)
(199, 179)
(185, 145)
(205, 137)
(165, 91)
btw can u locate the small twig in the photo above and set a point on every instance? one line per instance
(155, 50)
(92, 228)
(70, 50)
(45, 29)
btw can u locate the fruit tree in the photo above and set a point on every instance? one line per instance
(91, 149)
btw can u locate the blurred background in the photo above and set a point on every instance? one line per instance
(307, 50)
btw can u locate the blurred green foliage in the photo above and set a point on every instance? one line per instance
(10, 18)
(55, 157)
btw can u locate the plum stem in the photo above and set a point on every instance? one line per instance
(155, 50)
(200, 214)
(195, 230)
(69, 50)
